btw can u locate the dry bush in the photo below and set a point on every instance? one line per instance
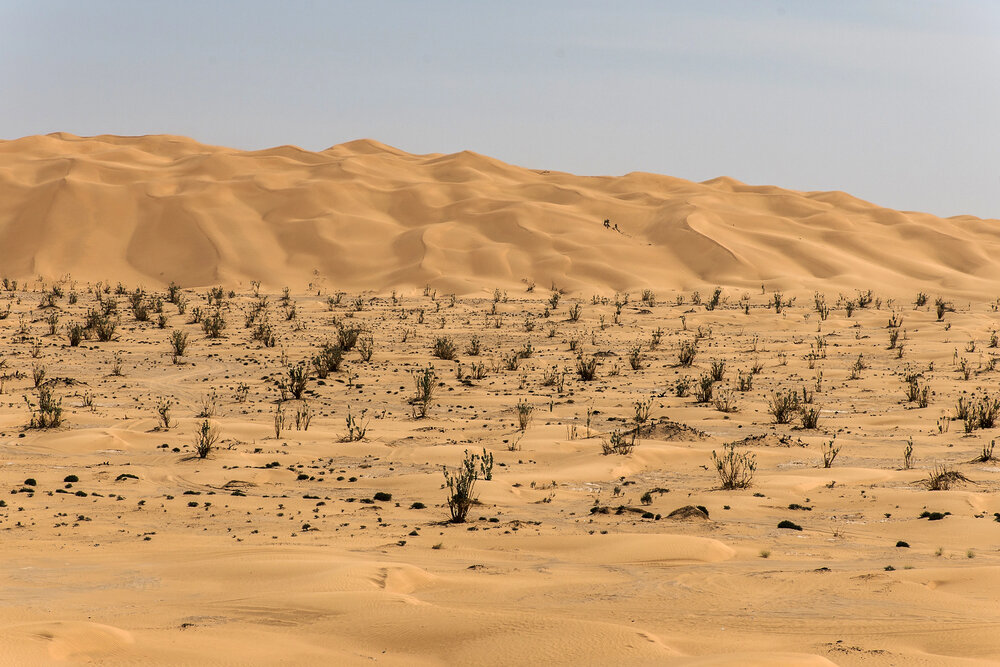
(205, 439)
(687, 352)
(735, 469)
(783, 406)
(462, 483)
(586, 368)
(942, 479)
(423, 380)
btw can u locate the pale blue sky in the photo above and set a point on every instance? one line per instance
(895, 102)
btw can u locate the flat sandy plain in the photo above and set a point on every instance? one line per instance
(121, 546)
(272, 549)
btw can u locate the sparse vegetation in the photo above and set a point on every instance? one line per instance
(735, 468)
(461, 484)
(205, 439)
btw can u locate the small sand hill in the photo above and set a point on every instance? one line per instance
(364, 215)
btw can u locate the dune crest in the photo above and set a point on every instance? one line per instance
(364, 215)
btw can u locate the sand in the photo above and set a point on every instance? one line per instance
(127, 548)
(366, 216)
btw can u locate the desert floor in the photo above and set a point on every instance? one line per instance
(275, 549)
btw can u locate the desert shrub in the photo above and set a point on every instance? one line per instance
(178, 342)
(328, 359)
(424, 391)
(298, 379)
(524, 410)
(173, 292)
(475, 347)
(444, 348)
(213, 324)
(347, 336)
(478, 372)
(713, 301)
(783, 406)
(355, 430)
(908, 454)
(279, 420)
(893, 338)
(777, 301)
(718, 370)
(735, 469)
(48, 412)
(724, 400)
(942, 479)
(38, 375)
(744, 381)
(52, 319)
(977, 413)
(942, 307)
(103, 324)
(655, 338)
(682, 386)
(264, 333)
(703, 392)
(586, 368)
(962, 409)
(511, 361)
(915, 393)
(163, 410)
(788, 525)
(641, 411)
(635, 358)
(986, 455)
(461, 484)
(987, 410)
(217, 294)
(829, 451)
(303, 416)
(809, 417)
(619, 442)
(366, 347)
(140, 307)
(205, 439)
(687, 352)
(209, 404)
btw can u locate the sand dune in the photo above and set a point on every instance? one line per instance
(297, 539)
(363, 215)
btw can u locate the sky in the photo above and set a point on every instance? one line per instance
(897, 102)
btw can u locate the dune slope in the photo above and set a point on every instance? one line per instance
(363, 215)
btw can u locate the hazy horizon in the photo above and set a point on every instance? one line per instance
(891, 102)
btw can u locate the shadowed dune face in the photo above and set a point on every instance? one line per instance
(365, 215)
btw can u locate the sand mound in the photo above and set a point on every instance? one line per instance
(363, 215)
(75, 641)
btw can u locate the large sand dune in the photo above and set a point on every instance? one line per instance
(364, 215)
